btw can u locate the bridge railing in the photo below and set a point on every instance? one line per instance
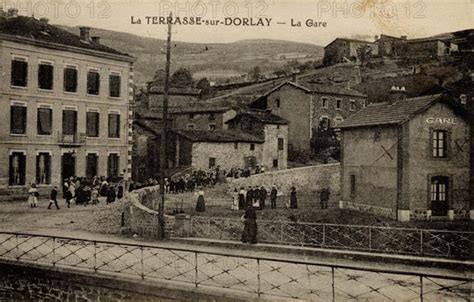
(257, 275)
(409, 241)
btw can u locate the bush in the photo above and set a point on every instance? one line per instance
(325, 144)
(299, 156)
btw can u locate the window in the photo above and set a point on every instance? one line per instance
(353, 106)
(236, 145)
(190, 126)
(45, 75)
(93, 82)
(353, 184)
(324, 123)
(275, 163)
(281, 143)
(252, 147)
(92, 124)
(338, 104)
(440, 143)
(114, 125)
(113, 165)
(212, 117)
(18, 118)
(366, 103)
(44, 121)
(43, 168)
(277, 102)
(19, 73)
(324, 103)
(70, 79)
(191, 116)
(212, 126)
(69, 122)
(91, 165)
(17, 169)
(212, 162)
(114, 85)
(338, 120)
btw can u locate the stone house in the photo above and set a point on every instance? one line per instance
(426, 47)
(408, 159)
(203, 149)
(178, 97)
(343, 50)
(67, 105)
(274, 131)
(201, 118)
(309, 107)
(386, 45)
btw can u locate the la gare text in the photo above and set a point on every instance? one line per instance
(263, 22)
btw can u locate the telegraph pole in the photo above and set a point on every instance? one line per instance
(164, 134)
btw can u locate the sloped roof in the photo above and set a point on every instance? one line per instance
(219, 136)
(199, 110)
(33, 29)
(175, 91)
(308, 86)
(391, 114)
(350, 40)
(262, 116)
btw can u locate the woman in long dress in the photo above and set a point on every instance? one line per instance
(33, 196)
(200, 204)
(242, 198)
(293, 199)
(249, 233)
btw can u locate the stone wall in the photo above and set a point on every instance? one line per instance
(306, 180)
(140, 218)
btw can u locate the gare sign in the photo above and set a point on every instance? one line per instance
(442, 120)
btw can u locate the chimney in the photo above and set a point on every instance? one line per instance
(44, 20)
(376, 37)
(397, 94)
(95, 39)
(85, 33)
(293, 78)
(403, 37)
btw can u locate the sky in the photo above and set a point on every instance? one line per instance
(363, 19)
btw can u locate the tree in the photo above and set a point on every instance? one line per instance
(256, 73)
(205, 86)
(364, 53)
(159, 78)
(181, 78)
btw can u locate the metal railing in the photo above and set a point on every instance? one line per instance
(409, 241)
(71, 139)
(261, 276)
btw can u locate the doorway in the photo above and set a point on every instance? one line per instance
(68, 166)
(439, 195)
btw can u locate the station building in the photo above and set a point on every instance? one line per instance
(408, 159)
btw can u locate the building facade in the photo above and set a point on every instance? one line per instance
(66, 101)
(408, 160)
(272, 129)
(308, 108)
(346, 50)
(201, 118)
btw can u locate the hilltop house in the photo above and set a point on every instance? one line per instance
(309, 108)
(343, 50)
(408, 159)
(67, 105)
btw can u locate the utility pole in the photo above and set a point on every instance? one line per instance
(164, 134)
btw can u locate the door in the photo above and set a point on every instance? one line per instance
(68, 166)
(439, 195)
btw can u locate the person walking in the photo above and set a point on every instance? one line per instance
(33, 196)
(111, 195)
(53, 198)
(293, 199)
(95, 195)
(200, 203)
(249, 197)
(324, 197)
(249, 234)
(273, 197)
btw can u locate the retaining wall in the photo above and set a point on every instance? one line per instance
(306, 180)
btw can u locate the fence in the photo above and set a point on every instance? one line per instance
(261, 276)
(423, 242)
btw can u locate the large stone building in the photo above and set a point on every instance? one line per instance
(274, 131)
(343, 50)
(309, 107)
(409, 159)
(66, 101)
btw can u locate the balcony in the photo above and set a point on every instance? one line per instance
(76, 139)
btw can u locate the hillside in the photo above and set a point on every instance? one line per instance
(216, 61)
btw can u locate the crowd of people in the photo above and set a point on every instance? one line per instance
(81, 191)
